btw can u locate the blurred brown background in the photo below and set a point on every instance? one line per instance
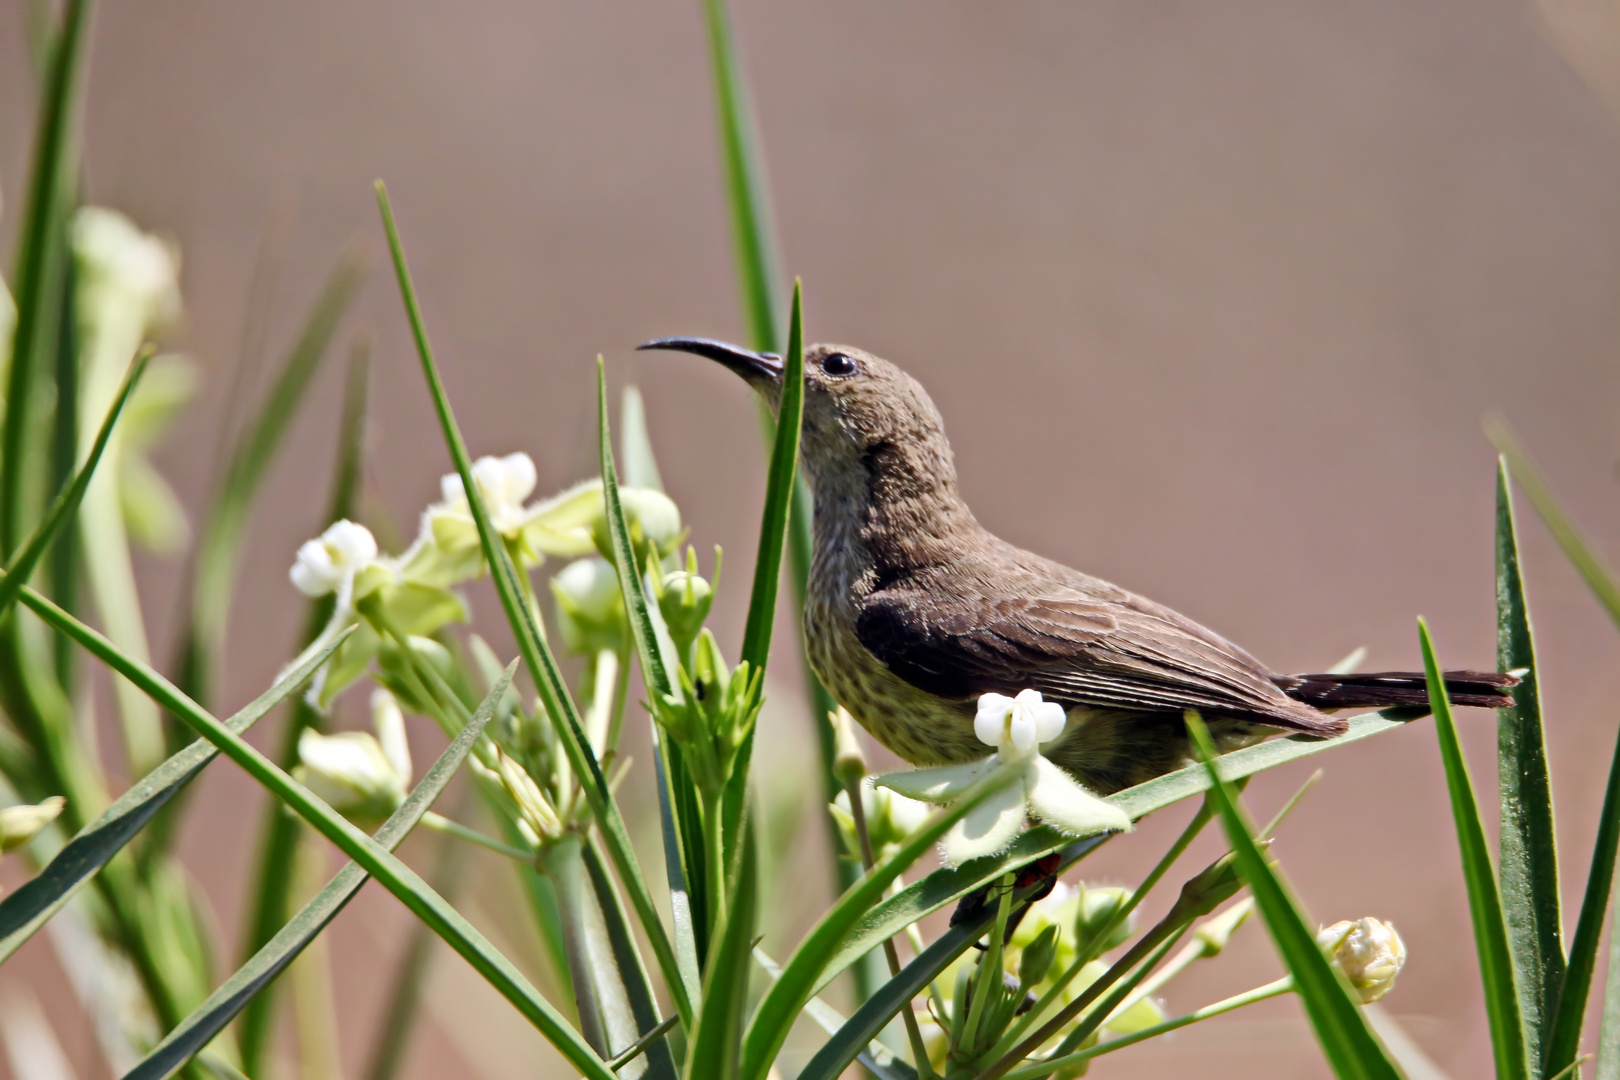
(1211, 295)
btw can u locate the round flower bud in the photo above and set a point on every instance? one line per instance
(352, 773)
(1096, 909)
(684, 601)
(849, 763)
(890, 820)
(589, 607)
(336, 556)
(1369, 952)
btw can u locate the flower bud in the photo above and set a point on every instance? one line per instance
(353, 772)
(535, 812)
(684, 600)
(849, 763)
(652, 519)
(324, 565)
(1097, 907)
(1217, 931)
(589, 607)
(890, 820)
(19, 824)
(1369, 952)
(1037, 957)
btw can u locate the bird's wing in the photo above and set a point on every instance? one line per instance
(1072, 647)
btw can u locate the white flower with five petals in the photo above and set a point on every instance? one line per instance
(1017, 727)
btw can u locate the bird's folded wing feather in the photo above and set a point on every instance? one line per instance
(1082, 650)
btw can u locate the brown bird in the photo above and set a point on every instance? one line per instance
(914, 609)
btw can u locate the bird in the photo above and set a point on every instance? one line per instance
(913, 609)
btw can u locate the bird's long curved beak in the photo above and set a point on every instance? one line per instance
(752, 366)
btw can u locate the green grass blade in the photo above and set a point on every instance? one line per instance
(223, 1004)
(1599, 580)
(640, 464)
(786, 999)
(1484, 902)
(749, 199)
(773, 524)
(1563, 1041)
(874, 1057)
(681, 842)
(39, 282)
(392, 874)
(22, 564)
(1608, 1054)
(219, 545)
(627, 962)
(537, 657)
(271, 893)
(33, 904)
(654, 651)
(1529, 843)
(714, 1051)
(1350, 1047)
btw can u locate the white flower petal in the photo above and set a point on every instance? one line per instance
(390, 724)
(990, 722)
(987, 828)
(518, 477)
(936, 785)
(1021, 730)
(350, 544)
(312, 572)
(1057, 800)
(1049, 721)
(450, 489)
(1028, 698)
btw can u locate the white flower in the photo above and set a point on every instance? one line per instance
(1024, 721)
(504, 482)
(329, 563)
(1016, 727)
(1369, 952)
(18, 824)
(360, 775)
(560, 525)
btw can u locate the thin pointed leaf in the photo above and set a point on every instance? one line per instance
(714, 1051)
(220, 543)
(876, 1058)
(773, 524)
(640, 464)
(537, 657)
(786, 999)
(852, 1040)
(22, 564)
(1562, 1043)
(1529, 843)
(1484, 901)
(272, 889)
(1350, 1046)
(208, 1019)
(42, 257)
(33, 904)
(685, 916)
(628, 964)
(395, 876)
(1608, 1053)
(946, 886)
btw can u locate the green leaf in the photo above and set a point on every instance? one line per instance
(21, 566)
(42, 259)
(627, 963)
(1529, 843)
(33, 904)
(682, 847)
(1351, 1049)
(715, 1048)
(208, 1019)
(756, 649)
(786, 999)
(537, 657)
(1484, 902)
(876, 1058)
(851, 1040)
(219, 546)
(640, 465)
(1608, 1054)
(946, 886)
(271, 895)
(395, 876)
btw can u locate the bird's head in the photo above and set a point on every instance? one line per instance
(860, 411)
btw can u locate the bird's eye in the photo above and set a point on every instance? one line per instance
(838, 364)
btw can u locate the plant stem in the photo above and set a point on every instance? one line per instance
(857, 810)
(439, 823)
(989, 967)
(1040, 1069)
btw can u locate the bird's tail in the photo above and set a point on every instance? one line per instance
(1386, 689)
